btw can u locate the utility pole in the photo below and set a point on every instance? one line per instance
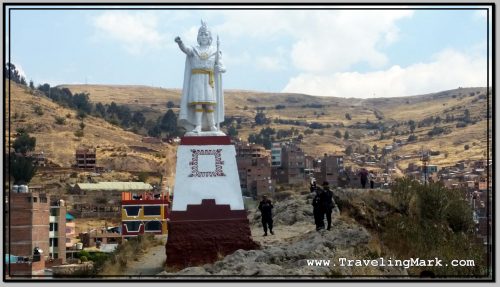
(424, 157)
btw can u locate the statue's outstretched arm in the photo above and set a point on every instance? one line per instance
(183, 47)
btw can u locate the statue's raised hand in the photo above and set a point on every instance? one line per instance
(178, 40)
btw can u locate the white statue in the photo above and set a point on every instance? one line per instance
(202, 102)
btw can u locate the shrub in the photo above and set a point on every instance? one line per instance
(402, 191)
(79, 133)
(412, 138)
(60, 120)
(38, 110)
(466, 147)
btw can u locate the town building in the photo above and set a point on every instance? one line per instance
(144, 213)
(57, 232)
(292, 169)
(27, 233)
(254, 169)
(330, 167)
(85, 158)
(102, 199)
(276, 155)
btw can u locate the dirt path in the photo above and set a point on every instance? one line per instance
(282, 233)
(150, 263)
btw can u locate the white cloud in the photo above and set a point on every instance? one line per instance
(269, 63)
(20, 69)
(449, 69)
(135, 31)
(323, 40)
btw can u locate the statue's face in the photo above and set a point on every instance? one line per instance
(204, 38)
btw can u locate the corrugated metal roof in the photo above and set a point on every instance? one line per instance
(116, 185)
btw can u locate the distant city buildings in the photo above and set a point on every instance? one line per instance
(330, 168)
(102, 199)
(254, 169)
(292, 163)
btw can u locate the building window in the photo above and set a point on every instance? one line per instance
(132, 210)
(152, 210)
(53, 226)
(35, 199)
(133, 225)
(43, 199)
(153, 226)
(54, 242)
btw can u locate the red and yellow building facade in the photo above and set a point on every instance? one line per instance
(144, 213)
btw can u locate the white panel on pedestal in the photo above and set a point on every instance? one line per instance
(207, 172)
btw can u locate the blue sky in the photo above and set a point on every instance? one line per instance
(344, 53)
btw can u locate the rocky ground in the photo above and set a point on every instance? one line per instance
(285, 254)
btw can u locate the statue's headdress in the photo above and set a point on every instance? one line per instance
(204, 28)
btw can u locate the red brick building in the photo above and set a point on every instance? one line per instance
(254, 169)
(28, 228)
(85, 158)
(293, 162)
(329, 169)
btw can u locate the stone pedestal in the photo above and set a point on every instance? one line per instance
(208, 220)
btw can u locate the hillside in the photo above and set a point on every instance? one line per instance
(392, 113)
(116, 149)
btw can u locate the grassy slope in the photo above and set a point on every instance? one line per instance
(58, 142)
(244, 104)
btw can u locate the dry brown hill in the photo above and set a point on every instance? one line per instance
(116, 149)
(329, 110)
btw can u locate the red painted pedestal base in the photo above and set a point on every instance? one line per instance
(205, 233)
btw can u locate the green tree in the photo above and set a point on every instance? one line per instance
(22, 168)
(32, 86)
(11, 72)
(411, 123)
(346, 135)
(138, 119)
(260, 118)
(168, 123)
(170, 105)
(348, 116)
(232, 131)
(100, 110)
(24, 143)
(338, 134)
(349, 150)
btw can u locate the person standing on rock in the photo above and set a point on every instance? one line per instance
(266, 207)
(371, 177)
(318, 211)
(363, 176)
(326, 199)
